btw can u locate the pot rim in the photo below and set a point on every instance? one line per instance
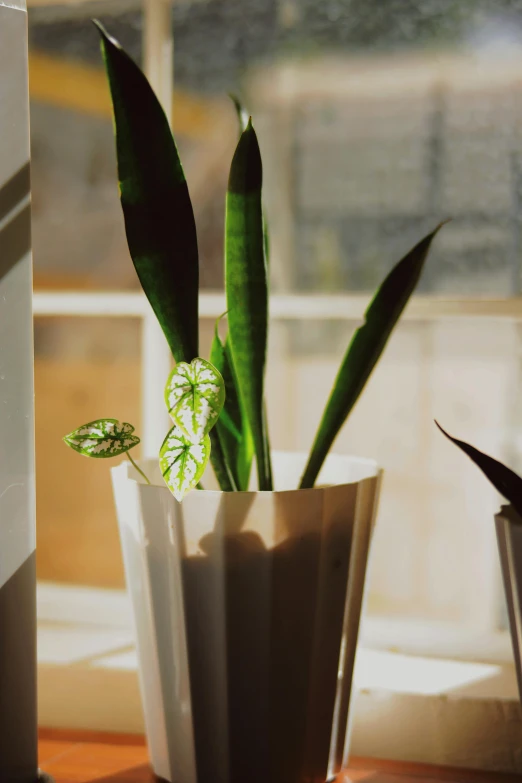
(369, 468)
(508, 514)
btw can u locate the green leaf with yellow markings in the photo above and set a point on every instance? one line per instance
(102, 438)
(183, 462)
(195, 395)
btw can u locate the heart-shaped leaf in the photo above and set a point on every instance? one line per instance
(182, 461)
(102, 438)
(195, 395)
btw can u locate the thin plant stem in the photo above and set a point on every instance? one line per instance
(138, 468)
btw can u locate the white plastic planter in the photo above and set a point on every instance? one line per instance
(509, 537)
(247, 609)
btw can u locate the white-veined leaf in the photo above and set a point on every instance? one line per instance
(182, 461)
(195, 395)
(102, 438)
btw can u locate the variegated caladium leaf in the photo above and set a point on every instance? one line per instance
(182, 461)
(102, 438)
(195, 395)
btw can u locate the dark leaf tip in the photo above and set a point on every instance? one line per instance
(101, 29)
(246, 172)
(106, 38)
(442, 429)
(505, 480)
(438, 227)
(431, 236)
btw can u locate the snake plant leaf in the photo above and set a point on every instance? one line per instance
(243, 118)
(159, 221)
(505, 480)
(182, 461)
(246, 286)
(365, 350)
(226, 420)
(102, 438)
(224, 475)
(195, 395)
(233, 427)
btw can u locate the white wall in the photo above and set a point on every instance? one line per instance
(18, 761)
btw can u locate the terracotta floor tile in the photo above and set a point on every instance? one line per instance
(99, 762)
(122, 759)
(50, 749)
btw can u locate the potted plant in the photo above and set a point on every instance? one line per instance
(246, 599)
(508, 523)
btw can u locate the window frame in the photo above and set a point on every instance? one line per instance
(408, 636)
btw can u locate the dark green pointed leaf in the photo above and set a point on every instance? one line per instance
(247, 290)
(505, 481)
(224, 475)
(159, 220)
(243, 118)
(232, 424)
(365, 350)
(228, 423)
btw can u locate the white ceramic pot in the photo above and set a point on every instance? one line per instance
(247, 609)
(509, 538)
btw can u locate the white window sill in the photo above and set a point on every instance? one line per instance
(407, 706)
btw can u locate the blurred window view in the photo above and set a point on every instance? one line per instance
(376, 121)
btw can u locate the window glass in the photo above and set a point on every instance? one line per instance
(78, 234)
(376, 122)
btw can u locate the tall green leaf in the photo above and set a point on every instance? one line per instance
(159, 220)
(232, 424)
(220, 465)
(505, 481)
(247, 290)
(243, 119)
(365, 350)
